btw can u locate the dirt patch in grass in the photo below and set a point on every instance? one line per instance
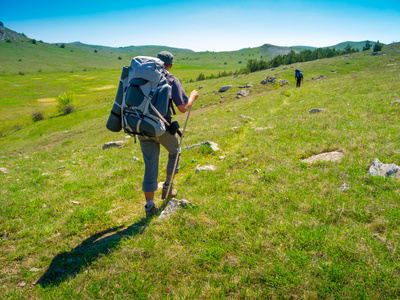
(327, 156)
(46, 100)
(106, 87)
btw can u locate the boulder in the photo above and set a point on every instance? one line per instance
(283, 82)
(316, 110)
(387, 170)
(225, 88)
(213, 145)
(118, 144)
(245, 86)
(243, 93)
(269, 79)
(173, 206)
(205, 168)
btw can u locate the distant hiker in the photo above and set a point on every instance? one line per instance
(299, 77)
(151, 145)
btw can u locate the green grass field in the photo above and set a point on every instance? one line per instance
(285, 231)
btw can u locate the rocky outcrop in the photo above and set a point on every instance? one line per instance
(7, 34)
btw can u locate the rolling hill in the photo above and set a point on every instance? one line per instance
(265, 224)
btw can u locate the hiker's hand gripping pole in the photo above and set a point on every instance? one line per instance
(179, 152)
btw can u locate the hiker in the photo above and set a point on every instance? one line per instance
(151, 145)
(299, 77)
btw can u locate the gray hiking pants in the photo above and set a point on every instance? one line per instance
(151, 155)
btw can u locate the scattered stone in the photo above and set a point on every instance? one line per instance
(113, 210)
(246, 86)
(128, 137)
(395, 102)
(118, 144)
(269, 79)
(5, 235)
(380, 169)
(213, 146)
(243, 93)
(316, 110)
(244, 159)
(328, 156)
(344, 187)
(205, 168)
(21, 284)
(283, 82)
(4, 170)
(200, 87)
(173, 206)
(135, 159)
(375, 53)
(45, 174)
(222, 157)
(246, 118)
(34, 269)
(225, 88)
(75, 203)
(261, 128)
(256, 171)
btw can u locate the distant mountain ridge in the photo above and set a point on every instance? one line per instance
(268, 49)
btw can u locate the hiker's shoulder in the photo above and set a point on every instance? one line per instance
(172, 79)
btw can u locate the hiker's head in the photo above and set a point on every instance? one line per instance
(167, 58)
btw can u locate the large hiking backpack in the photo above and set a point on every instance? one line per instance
(142, 99)
(298, 73)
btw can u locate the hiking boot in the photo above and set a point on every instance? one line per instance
(151, 211)
(172, 192)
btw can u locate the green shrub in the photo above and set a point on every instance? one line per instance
(65, 103)
(8, 41)
(37, 116)
(377, 47)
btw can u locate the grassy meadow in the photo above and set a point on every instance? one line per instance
(264, 225)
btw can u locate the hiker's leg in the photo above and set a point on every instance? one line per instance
(151, 153)
(171, 143)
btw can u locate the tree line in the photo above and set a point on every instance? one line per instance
(254, 65)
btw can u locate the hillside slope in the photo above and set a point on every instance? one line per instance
(265, 224)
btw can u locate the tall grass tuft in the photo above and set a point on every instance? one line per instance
(65, 103)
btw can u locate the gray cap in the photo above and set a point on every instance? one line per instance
(166, 57)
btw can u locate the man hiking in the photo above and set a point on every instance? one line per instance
(299, 77)
(150, 146)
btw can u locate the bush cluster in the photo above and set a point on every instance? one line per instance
(65, 103)
(37, 116)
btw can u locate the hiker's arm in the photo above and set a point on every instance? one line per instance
(193, 96)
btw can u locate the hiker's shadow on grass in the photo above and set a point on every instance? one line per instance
(68, 264)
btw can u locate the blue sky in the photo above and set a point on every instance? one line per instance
(219, 25)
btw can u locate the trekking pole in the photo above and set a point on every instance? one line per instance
(179, 152)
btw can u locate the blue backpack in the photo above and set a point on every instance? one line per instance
(298, 73)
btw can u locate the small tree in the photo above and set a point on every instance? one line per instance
(65, 103)
(200, 77)
(367, 46)
(377, 47)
